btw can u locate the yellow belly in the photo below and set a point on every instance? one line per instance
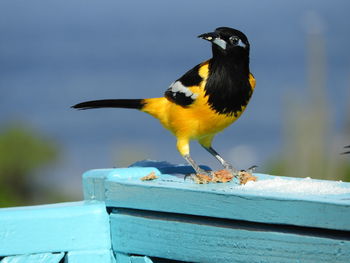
(192, 122)
(196, 121)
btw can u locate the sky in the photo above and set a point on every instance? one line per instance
(54, 54)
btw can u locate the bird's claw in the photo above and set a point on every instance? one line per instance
(251, 169)
(224, 176)
(221, 176)
(244, 176)
(231, 169)
(201, 176)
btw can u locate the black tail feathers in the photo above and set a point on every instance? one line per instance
(118, 103)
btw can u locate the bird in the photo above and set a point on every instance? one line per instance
(204, 101)
(347, 151)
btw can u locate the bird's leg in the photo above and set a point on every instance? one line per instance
(224, 163)
(195, 166)
(201, 176)
(243, 175)
(205, 142)
(184, 149)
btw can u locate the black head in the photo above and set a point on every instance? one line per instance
(227, 41)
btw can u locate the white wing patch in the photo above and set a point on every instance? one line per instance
(177, 86)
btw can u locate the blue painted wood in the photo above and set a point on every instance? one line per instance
(124, 258)
(197, 239)
(54, 228)
(93, 184)
(90, 256)
(94, 180)
(140, 259)
(37, 258)
(170, 193)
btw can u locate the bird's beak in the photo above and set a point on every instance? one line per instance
(209, 36)
(214, 38)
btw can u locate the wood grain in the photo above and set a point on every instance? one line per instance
(195, 240)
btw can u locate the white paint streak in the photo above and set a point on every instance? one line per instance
(305, 186)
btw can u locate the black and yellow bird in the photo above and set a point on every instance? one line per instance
(205, 100)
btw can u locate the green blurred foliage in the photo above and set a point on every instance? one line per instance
(342, 173)
(23, 153)
(309, 149)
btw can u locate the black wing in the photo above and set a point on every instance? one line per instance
(179, 92)
(347, 151)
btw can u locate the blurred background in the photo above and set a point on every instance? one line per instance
(54, 54)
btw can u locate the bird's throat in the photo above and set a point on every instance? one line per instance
(228, 87)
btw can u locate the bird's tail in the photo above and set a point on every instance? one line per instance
(157, 107)
(117, 103)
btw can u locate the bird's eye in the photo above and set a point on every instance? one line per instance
(234, 40)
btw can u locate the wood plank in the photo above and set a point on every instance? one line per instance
(198, 239)
(54, 228)
(124, 258)
(93, 184)
(90, 256)
(140, 259)
(36, 258)
(170, 193)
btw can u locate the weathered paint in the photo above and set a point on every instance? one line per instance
(171, 193)
(90, 256)
(54, 228)
(177, 219)
(208, 240)
(124, 258)
(36, 258)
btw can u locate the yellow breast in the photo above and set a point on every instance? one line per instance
(196, 120)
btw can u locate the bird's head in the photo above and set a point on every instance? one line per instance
(227, 41)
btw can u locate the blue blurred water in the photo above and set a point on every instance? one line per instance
(54, 54)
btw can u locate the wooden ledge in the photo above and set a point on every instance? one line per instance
(272, 199)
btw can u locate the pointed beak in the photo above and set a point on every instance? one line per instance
(209, 36)
(214, 38)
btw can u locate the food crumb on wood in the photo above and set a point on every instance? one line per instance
(222, 176)
(201, 178)
(245, 177)
(149, 177)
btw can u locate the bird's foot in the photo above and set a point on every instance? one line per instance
(228, 167)
(201, 176)
(221, 176)
(224, 175)
(245, 176)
